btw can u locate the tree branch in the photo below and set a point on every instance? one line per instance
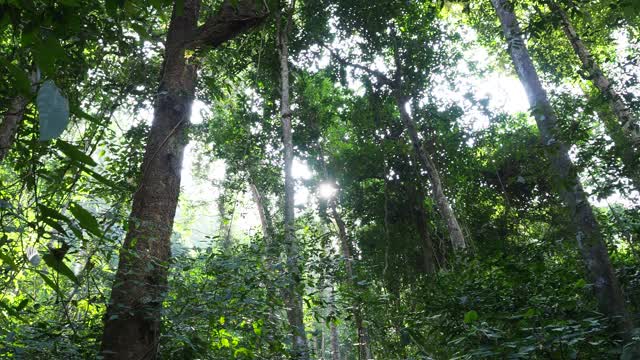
(229, 22)
(381, 77)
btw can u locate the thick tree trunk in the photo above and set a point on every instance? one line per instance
(442, 203)
(133, 317)
(293, 297)
(132, 321)
(588, 235)
(626, 131)
(9, 126)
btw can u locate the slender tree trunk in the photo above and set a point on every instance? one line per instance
(420, 217)
(345, 247)
(222, 214)
(588, 235)
(322, 344)
(626, 131)
(132, 321)
(444, 207)
(268, 233)
(265, 219)
(293, 297)
(226, 217)
(442, 203)
(335, 340)
(9, 126)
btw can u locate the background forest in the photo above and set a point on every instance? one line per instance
(315, 179)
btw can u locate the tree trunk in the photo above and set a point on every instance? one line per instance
(263, 213)
(335, 341)
(293, 297)
(226, 216)
(626, 131)
(9, 126)
(132, 321)
(420, 217)
(442, 203)
(588, 235)
(345, 247)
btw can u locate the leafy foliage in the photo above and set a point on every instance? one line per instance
(376, 265)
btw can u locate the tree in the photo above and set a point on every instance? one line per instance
(132, 321)
(444, 207)
(626, 131)
(292, 295)
(588, 234)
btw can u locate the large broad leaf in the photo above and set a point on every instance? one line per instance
(74, 153)
(103, 179)
(51, 283)
(86, 219)
(53, 108)
(52, 213)
(59, 266)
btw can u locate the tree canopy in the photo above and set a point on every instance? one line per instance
(315, 179)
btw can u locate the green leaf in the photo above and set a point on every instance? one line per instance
(53, 110)
(257, 328)
(21, 79)
(46, 52)
(74, 153)
(51, 283)
(54, 224)
(86, 219)
(52, 213)
(8, 260)
(470, 317)
(22, 304)
(60, 267)
(77, 111)
(102, 179)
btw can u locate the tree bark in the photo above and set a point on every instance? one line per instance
(9, 126)
(588, 235)
(345, 246)
(626, 131)
(442, 203)
(293, 298)
(263, 213)
(132, 321)
(420, 217)
(335, 341)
